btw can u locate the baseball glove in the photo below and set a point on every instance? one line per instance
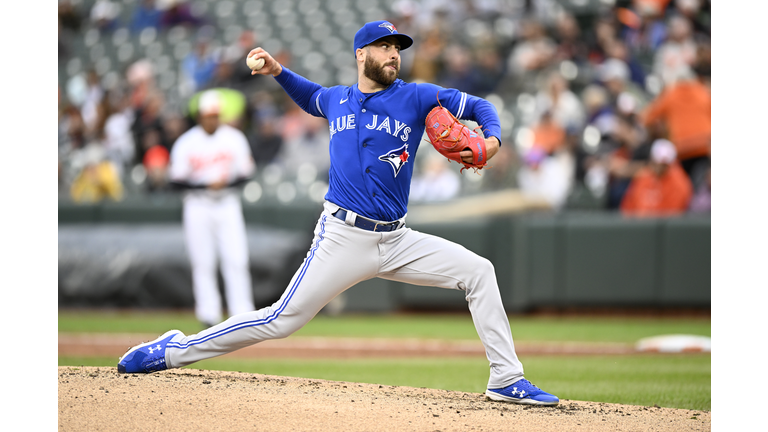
(449, 137)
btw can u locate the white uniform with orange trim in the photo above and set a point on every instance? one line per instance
(213, 219)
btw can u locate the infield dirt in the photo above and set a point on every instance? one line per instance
(98, 398)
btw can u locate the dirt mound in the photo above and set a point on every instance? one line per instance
(92, 398)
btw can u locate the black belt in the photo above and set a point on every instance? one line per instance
(368, 224)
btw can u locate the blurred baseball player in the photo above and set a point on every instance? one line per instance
(207, 161)
(376, 127)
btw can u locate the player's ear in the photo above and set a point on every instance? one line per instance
(359, 55)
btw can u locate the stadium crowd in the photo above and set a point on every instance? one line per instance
(606, 109)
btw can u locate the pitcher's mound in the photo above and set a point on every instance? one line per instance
(98, 398)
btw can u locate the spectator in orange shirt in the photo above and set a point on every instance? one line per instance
(660, 189)
(684, 109)
(548, 135)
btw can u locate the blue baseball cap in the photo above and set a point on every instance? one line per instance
(375, 30)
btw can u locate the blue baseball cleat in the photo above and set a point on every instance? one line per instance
(522, 392)
(147, 357)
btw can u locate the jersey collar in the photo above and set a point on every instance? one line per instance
(360, 96)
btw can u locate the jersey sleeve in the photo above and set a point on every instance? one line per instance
(304, 92)
(244, 165)
(464, 106)
(180, 168)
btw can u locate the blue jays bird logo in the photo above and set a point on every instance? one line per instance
(396, 158)
(388, 26)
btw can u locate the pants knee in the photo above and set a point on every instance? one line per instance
(483, 268)
(481, 276)
(285, 325)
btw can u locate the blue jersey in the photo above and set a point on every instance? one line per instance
(375, 137)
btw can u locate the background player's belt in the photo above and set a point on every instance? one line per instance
(368, 224)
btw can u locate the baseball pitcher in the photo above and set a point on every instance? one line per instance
(376, 127)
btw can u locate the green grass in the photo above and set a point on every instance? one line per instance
(120, 321)
(675, 381)
(448, 326)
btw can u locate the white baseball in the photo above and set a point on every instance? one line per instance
(254, 63)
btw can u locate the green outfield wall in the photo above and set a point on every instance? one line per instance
(542, 260)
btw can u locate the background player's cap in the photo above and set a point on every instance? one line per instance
(376, 30)
(209, 103)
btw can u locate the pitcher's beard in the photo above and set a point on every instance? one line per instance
(379, 74)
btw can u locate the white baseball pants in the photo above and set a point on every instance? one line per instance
(214, 229)
(341, 256)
